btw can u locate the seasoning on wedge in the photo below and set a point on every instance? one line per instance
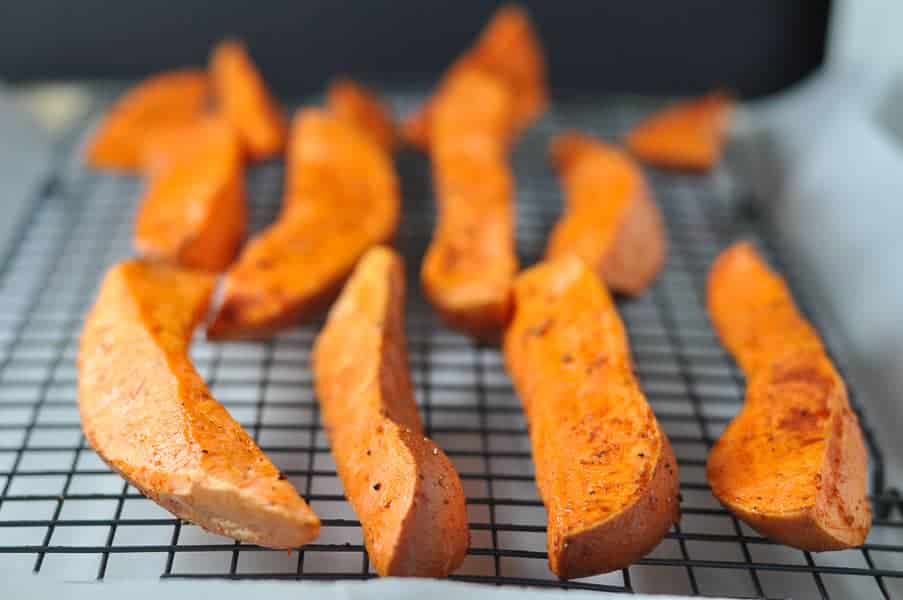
(361, 107)
(688, 135)
(193, 211)
(243, 98)
(604, 467)
(341, 198)
(611, 220)
(471, 261)
(403, 488)
(148, 414)
(792, 464)
(509, 50)
(159, 102)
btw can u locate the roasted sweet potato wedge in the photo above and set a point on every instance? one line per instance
(471, 261)
(686, 136)
(604, 467)
(507, 49)
(355, 104)
(611, 220)
(243, 98)
(792, 464)
(403, 488)
(166, 146)
(148, 414)
(193, 212)
(160, 102)
(341, 198)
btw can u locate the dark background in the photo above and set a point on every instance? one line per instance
(651, 46)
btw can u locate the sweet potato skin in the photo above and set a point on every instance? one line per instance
(686, 136)
(193, 212)
(604, 468)
(148, 414)
(244, 100)
(165, 100)
(471, 261)
(361, 107)
(611, 220)
(341, 198)
(792, 464)
(403, 488)
(508, 50)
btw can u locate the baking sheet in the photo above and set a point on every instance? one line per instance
(64, 514)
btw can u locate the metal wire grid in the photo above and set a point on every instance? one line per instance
(63, 513)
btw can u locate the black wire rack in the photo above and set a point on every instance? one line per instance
(65, 515)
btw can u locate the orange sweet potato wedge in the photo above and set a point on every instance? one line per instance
(164, 147)
(160, 102)
(341, 198)
(686, 136)
(471, 261)
(193, 212)
(611, 220)
(243, 98)
(792, 464)
(355, 104)
(604, 467)
(507, 49)
(148, 414)
(403, 488)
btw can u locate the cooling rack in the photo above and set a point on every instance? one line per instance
(63, 514)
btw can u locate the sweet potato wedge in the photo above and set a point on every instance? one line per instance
(792, 464)
(611, 220)
(471, 261)
(604, 467)
(148, 414)
(341, 198)
(355, 104)
(165, 147)
(507, 49)
(403, 488)
(193, 212)
(686, 136)
(243, 98)
(159, 102)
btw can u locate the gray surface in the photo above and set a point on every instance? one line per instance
(397, 589)
(25, 157)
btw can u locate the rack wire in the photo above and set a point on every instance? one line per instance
(64, 514)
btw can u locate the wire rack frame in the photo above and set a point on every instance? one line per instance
(62, 513)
